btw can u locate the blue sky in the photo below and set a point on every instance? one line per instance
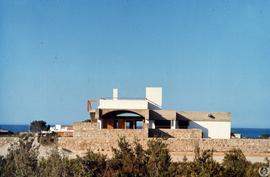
(207, 56)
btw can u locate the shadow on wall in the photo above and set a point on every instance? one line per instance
(183, 122)
(198, 126)
(157, 133)
(186, 122)
(160, 120)
(156, 116)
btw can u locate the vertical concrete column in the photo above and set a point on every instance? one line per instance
(173, 124)
(152, 124)
(99, 124)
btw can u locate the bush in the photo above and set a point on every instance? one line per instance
(123, 161)
(265, 136)
(205, 165)
(235, 163)
(140, 161)
(38, 126)
(2, 165)
(22, 159)
(90, 165)
(158, 158)
(179, 169)
(128, 160)
(55, 165)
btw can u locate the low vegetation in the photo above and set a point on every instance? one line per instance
(38, 126)
(129, 160)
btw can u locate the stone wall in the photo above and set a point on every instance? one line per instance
(248, 146)
(89, 136)
(5, 143)
(8, 140)
(176, 133)
(104, 145)
(91, 130)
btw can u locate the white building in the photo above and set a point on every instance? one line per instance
(123, 113)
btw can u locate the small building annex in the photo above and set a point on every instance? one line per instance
(147, 113)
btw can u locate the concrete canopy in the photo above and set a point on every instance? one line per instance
(104, 113)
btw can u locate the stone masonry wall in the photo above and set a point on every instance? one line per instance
(176, 133)
(248, 146)
(7, 140)
(88, 136)
(91, 130)
(5, 143)
(104, 145)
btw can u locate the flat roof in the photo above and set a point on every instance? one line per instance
(204, 116)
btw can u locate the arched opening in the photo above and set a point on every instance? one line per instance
(122, 119)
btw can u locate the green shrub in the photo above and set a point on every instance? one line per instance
(140, 161)
(55, 166)
(129, 160)
(2, 165)
(38, 126)
(159, 158)
(204, 165)
(94, 164)
(22, 159)
(235, 163)
(123, 158)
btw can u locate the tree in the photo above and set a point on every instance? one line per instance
(204, 165)
(235, 163)
(128, 159)
(159, 158)
(180, 169)
(123, 158)
(140, 162)
(38, 126)
(94, 164)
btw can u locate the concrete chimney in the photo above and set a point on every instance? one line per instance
(154, 94)
(115, 93)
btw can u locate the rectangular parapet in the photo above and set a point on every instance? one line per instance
(122, 104)
(176, 133)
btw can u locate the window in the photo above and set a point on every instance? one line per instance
(129, 124)
(115, 124)
(139, 124)
(163, 124)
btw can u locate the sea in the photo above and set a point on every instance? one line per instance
(251, 132)
(16, 128)
(245, 132)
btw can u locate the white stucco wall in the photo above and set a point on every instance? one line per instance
(154, 94)
(123, 104)
(213, 129)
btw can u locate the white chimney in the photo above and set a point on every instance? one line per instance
(115, 93)
(154, 94)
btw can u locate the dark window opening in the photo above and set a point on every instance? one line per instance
(163, 124)
(115, 124)
(183, 124)
(129, 124)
